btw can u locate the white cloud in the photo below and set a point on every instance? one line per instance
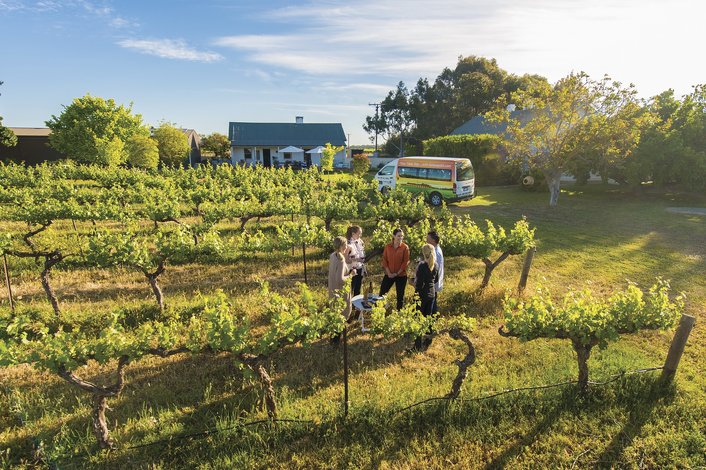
(169, 49)
(407, 39)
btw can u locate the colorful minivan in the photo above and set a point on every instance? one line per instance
(438, 178)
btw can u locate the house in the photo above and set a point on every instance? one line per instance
(32, 146)
(284, 144)
(194, 158)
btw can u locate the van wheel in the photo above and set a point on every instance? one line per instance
(436, 199)
(385, 190)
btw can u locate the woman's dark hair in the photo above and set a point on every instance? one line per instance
(396, 231)
(351, 230)
(434, 236)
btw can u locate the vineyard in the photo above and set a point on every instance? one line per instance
(180, 318)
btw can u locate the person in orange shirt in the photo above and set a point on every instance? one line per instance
(395, 258)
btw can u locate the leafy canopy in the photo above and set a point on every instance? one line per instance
(94, 130)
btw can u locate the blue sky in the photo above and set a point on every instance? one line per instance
(203, 64)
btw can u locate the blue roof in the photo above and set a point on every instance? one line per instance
(479, 125)
(278, 134)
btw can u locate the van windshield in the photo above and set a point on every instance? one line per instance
(464, 171)
(387, 170)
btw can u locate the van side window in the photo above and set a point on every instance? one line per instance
(439, 174)
(408, 172)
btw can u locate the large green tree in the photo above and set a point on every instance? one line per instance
(172, 143)
(394, 117)
(575, 123)
(7, 137)
(216, 143)
(94, 130)
(143, 152)
(455, 96)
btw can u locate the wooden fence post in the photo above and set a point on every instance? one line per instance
(7, 282)
(677, 347)
(306, 280)
(345, 370)
(526, 269)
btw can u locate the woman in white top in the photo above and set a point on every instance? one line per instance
(355, 257)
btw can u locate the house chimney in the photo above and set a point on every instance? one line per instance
(299, 119)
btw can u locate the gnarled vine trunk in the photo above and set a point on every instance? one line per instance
(583, 353)
(100, 402)
(49, 262)
(255, 364)
(490, 266)
(463, 364)
(152, 278)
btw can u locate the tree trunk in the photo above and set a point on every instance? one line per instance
(490, 266)
(100, 426)
(583, 352)
(463, 365)
(49, 263)
(554, 183)
(100, 396)
(327, 223)
(152, 278)
(157, 291)
(255, 364)
(243, 221)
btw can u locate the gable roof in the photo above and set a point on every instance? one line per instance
(276, 134)
(31, 131)
(479, 125)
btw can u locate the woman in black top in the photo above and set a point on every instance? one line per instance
(424, 279)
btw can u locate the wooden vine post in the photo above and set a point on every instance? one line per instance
(345, 370)
(526, 269)
(7, 282)
(676, 349)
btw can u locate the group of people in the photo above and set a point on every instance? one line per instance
(348, 262)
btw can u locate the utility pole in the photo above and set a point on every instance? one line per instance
(377, 120)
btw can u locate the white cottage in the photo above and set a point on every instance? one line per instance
(284, 144)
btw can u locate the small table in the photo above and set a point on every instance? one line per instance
(358, 304)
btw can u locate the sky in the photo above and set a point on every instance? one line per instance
(203, 64)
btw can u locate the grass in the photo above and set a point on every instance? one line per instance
(598, 237)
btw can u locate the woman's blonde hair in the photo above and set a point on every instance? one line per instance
(429, 254)
(338, 242)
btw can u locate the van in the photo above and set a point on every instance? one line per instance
(439, 179)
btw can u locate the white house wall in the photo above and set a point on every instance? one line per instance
(238, 157)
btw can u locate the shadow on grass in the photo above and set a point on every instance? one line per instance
(654, 393)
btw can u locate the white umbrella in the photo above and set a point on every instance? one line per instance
(318, 149)
(291, 149)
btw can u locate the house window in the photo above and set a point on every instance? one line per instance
(248, 153)
(259, 154)
(287, 156)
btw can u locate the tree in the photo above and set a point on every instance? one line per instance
(217, 143)
(7, 137)
(88, 130)
(576, 123)
(361, 164)
(457, 95)
(329, 151)
(172, 143)
(396, 114)
(588, 321)
(143, 152)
